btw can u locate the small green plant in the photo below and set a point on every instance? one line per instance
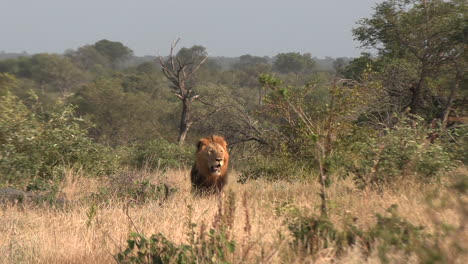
(156, 249)
(312, 234)
(91, 214)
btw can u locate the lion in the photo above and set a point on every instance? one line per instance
(210, 171)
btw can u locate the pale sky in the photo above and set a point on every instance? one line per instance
(225, 28)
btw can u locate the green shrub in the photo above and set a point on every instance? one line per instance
(391, 233)
(403, 150)
(455, 140)
(161, 154)
(311, 234)
(156, 249)
(394, 233)
(41, 145)
(271, 168)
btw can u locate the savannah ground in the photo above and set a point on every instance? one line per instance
(88, 232)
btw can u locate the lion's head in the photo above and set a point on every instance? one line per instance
(212, 156)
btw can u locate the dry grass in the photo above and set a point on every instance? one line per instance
(41, 234)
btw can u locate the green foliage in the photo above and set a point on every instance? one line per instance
(308, 132)
(120, 117)
(293, 62)
(159, 249)
(114, 51)
(429, 34)
(52, 73)
(7, 83)
(41, 145)
(272, 168)
(248, 61)
(391, 233)
(455, 142)
(161, 154)
(403, 150)
(358, 66)
(89, 59)
(192, 55)
(156, 249)
(401, 26)
(311, 234)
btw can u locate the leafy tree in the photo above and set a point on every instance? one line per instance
(339, 66)
(55, 73)
(148, 68)
(114, 51)
(120, 117)
(52, 72)
(293, 62)
(9, 66)
(247, 61)
(310, 131)
(359, 65)
(192, 56)
(430, 33)
(89, 58)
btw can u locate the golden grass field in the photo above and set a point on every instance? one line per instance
(44, 234)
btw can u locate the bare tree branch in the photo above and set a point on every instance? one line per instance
(178, 75)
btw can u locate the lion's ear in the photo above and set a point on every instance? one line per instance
(221, 141)
(202, 143)
(224, 144)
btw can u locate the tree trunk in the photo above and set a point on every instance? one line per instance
(417, 89)
(323, 182)
(451, 96)
(185, 120)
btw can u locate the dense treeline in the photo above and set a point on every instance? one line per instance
(374, 117)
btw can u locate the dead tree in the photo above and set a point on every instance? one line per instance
(179, 72)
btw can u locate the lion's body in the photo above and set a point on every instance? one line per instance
(210, 171)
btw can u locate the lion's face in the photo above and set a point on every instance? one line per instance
(213, 155)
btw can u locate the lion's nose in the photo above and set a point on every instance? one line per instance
(219, 159)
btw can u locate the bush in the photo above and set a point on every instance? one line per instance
(161, 154)
(403, 150)
(41, 145)
(390, 233)
(311, 234)
(271, 168)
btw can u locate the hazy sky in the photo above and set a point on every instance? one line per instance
(225, 28)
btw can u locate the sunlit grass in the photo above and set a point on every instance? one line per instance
(86, 232)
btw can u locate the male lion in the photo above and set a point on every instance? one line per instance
(209, 173)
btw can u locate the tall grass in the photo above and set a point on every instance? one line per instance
(90, 231)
